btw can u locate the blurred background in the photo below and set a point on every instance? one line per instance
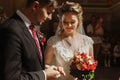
(108, 9)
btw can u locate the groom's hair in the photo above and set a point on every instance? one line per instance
(43, 2)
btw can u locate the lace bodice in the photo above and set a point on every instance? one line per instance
(64, 54)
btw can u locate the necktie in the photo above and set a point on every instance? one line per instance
(34, 33)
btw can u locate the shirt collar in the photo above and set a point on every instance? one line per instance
(24, 18)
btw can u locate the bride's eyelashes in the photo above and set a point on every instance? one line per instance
(67, 23)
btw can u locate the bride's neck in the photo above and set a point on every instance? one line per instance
(68, 35)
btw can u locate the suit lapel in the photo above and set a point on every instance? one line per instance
(28, 35)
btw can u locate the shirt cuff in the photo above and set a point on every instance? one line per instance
(45, 75)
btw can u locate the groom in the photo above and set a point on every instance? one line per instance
(19, 48)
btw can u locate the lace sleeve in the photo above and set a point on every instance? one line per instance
(51, 41)
(91, 42)
(88, 41)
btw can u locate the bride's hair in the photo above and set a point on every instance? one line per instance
(67, 7)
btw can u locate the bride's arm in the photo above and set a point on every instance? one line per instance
(91, 52)
(48, 59)
(49, 52)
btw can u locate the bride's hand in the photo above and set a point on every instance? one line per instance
(61, 70)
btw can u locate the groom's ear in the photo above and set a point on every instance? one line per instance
(35, 5)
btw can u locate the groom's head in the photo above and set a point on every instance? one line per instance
(38, 11)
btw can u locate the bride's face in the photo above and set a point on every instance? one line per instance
(69, 22)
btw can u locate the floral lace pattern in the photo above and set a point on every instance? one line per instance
(66, 53)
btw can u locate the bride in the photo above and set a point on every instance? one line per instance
(61, 47)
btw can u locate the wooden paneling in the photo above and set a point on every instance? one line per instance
(7, 5)
(10, 6)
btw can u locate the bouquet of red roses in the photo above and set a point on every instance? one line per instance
(83, 66)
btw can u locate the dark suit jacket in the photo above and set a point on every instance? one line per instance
(19, 56)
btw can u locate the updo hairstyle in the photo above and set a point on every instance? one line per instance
(67, 7)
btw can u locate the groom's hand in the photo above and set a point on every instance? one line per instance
(52, 72)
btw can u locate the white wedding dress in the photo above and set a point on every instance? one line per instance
(63, 53)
